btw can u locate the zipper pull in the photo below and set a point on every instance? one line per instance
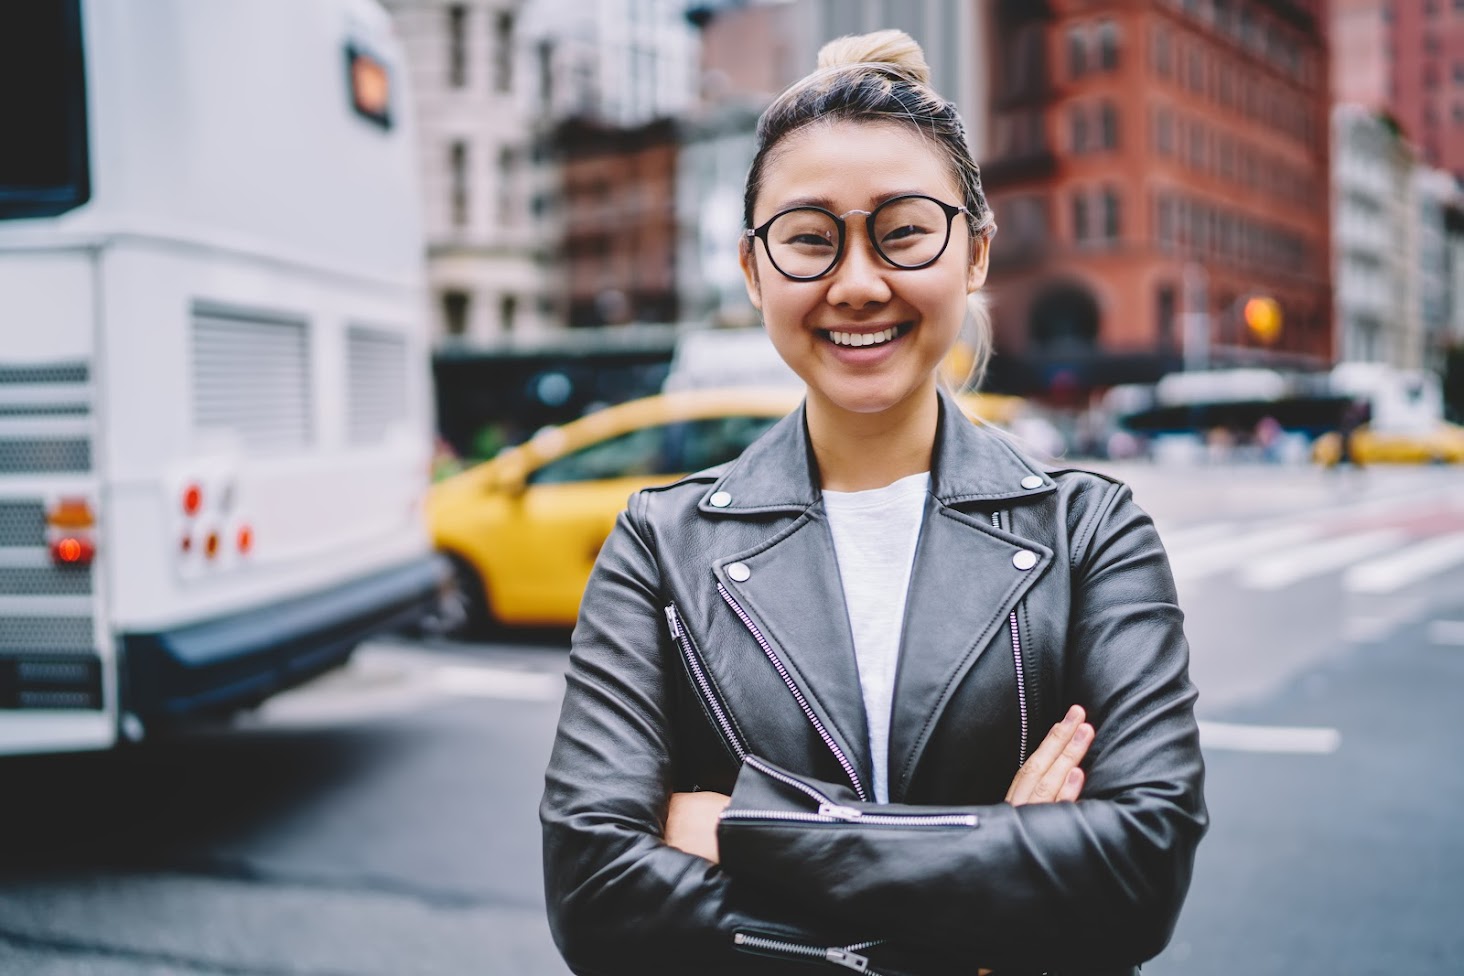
(674, 622)
(839, 812)
(847, 959)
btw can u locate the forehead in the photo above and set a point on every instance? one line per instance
(853, 165)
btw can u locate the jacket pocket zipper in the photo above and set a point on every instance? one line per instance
(848, 957)
(818, 726)
(831, 812)
(703, 684)
(1017, 660)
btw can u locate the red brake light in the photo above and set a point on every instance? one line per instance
(246, 539)
(192, 500)
(73, 551)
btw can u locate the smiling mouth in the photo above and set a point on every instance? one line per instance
(860, 339)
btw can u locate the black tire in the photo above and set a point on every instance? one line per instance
(462, 611)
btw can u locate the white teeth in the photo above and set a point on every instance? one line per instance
(863, 338)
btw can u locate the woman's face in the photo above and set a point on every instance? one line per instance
(847, 166)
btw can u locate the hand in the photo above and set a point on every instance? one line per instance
(691, 822)
(1051, 774)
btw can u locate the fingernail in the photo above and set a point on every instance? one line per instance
(1071, 716)
(1084, 733)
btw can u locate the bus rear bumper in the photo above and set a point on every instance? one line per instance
(237, 661)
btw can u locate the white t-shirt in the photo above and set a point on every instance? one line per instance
(875, 532)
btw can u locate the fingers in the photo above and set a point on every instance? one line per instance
(691, 822)
(1052, 772)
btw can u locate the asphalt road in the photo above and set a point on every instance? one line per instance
(382, 821)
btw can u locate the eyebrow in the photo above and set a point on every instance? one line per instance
(828, 204)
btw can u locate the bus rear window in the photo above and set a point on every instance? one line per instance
(43, 168)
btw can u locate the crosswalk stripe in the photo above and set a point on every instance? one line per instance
(1193, 535)
(1399, 569)
(1294, 565)
(1190, 564)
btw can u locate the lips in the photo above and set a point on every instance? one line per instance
(865, 338)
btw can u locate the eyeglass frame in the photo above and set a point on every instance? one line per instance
(760, 232)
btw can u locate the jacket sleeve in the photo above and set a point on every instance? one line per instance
(1098, 882)
(619, 899)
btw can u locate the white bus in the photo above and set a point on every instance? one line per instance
(215, 404)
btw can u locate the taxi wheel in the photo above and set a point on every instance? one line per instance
(462, 610)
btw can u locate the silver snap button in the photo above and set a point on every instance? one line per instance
(1025, 559)
(1031, 481)
(739, 572)
(720, 499)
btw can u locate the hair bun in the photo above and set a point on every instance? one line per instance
(892, 51)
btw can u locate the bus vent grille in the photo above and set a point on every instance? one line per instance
(251, 379)
(376, 377)
(50, 683)
(45, 580)
(22, 524)
(37, 633)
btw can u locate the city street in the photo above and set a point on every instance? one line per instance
(382, 821)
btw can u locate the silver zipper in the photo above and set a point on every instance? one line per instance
(831, 812)
(818, 726)
(703, 684)
(848, 957)
(1017, 660)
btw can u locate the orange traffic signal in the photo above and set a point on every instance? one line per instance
(1263, 318)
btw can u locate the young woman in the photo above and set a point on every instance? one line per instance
(883, 694)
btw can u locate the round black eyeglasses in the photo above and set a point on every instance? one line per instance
(908, 232)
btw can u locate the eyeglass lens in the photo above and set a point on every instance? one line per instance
(908, 232)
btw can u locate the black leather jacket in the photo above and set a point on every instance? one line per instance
(713, 652)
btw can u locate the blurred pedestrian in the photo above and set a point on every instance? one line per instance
(884, 692)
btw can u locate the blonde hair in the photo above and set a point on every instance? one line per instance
(881, 77)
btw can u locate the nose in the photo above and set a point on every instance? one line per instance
(859, 279)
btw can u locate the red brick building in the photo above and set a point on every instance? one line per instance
(618, 221)
(1149, 160)
(1406, 57)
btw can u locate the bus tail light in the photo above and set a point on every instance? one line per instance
(245, 539)
(192, 500)
(73, 550)
(71, 514)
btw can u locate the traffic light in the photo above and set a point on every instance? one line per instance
(1263, 318)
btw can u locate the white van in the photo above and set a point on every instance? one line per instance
(215, 407)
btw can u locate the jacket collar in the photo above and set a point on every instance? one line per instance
(778, 472)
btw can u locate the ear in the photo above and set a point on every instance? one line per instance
(747, 258)
(980, 255)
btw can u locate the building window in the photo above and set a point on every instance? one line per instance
(1080, 216)
(1163, 132)
(1077, 43)
(458, 183)
(503, 51)
(507, 312)
(455, 312)
(457, 45)
(1165, 229)
(507, 191)
(1108, 45)
(1161, 52)
(1164, 317)
(1112, 218)
(1078, 121)
(1108, 125)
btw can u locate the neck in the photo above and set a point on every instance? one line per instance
(859, 451)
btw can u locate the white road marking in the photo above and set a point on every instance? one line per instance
(1217, 557)
(480, 682)
(1448, 632)
(1193, 535)
(1269, 738)
(1399, 569)
(1297, 564)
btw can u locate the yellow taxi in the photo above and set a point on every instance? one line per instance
(522, 531)
(1443, 444)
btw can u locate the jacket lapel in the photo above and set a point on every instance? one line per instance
(964, 584)
(794, 596)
